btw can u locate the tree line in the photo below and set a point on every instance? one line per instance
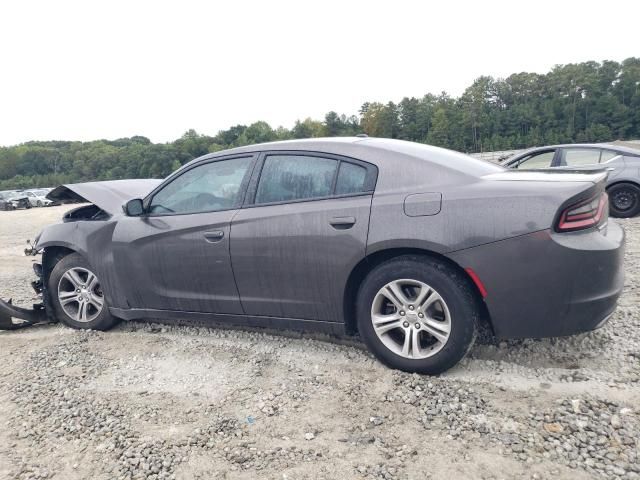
(584, 102)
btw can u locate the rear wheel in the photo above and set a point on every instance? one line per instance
(417, 314)
(77, 295)
(624, 200)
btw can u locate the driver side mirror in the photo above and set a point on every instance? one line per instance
(134, 207)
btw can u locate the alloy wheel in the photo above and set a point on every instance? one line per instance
(80, 294)
(411, 319)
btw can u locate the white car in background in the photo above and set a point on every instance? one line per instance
(38, 197)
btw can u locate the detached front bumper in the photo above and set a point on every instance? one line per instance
(25, 317)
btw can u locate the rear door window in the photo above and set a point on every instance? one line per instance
(577, 157)
(295, 177)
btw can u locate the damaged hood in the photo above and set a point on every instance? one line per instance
(109, 195)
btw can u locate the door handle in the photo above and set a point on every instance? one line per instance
(213, 237)
(342, 223)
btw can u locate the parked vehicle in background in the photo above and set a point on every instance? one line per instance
(5, 203)
(38, 197)
(16, 198)
(407, 244)
(623, 164)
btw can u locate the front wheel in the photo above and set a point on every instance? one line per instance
(624, 200)
(417, 314)
(77, 295)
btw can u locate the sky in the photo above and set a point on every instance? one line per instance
(109, 69)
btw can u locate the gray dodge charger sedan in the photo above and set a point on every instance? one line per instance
(410, 246)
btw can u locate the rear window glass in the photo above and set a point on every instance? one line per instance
(295, 177)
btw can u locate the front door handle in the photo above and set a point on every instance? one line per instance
(342, 223)
(214, 236)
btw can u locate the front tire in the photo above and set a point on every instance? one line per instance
(624, 200)
(77, 296)
(417, 314)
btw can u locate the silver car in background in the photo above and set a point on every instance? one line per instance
(623, 164)
(38, 197)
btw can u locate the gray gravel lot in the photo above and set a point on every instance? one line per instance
(163, 402)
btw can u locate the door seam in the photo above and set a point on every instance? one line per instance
(233, 270)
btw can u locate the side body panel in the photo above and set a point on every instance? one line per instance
(545, 284)
(178, 262)
(289, 261)
(473, 213)
(625, 169)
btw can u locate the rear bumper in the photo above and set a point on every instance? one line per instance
(546, 284)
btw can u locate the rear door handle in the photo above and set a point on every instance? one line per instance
(342, 223)
(213, 237)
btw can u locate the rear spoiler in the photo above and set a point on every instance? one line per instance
(593, 175)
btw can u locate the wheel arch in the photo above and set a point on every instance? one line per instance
(635, 183)
(368, 263)
(52, 255)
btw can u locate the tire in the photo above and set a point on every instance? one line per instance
(72, 275)
(624, 200)
(448, 303)
(38, 203)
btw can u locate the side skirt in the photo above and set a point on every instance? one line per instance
(218, 319)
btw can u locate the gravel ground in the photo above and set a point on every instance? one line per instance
(164, 402)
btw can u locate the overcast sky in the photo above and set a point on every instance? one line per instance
(89, 69)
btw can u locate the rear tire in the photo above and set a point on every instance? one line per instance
(76, 295)
(425, 313)
(624, 200)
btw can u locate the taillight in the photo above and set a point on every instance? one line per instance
(585, 214)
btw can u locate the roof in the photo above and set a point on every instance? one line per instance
(380, 151)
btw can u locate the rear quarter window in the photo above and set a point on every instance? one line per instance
(351, 179)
